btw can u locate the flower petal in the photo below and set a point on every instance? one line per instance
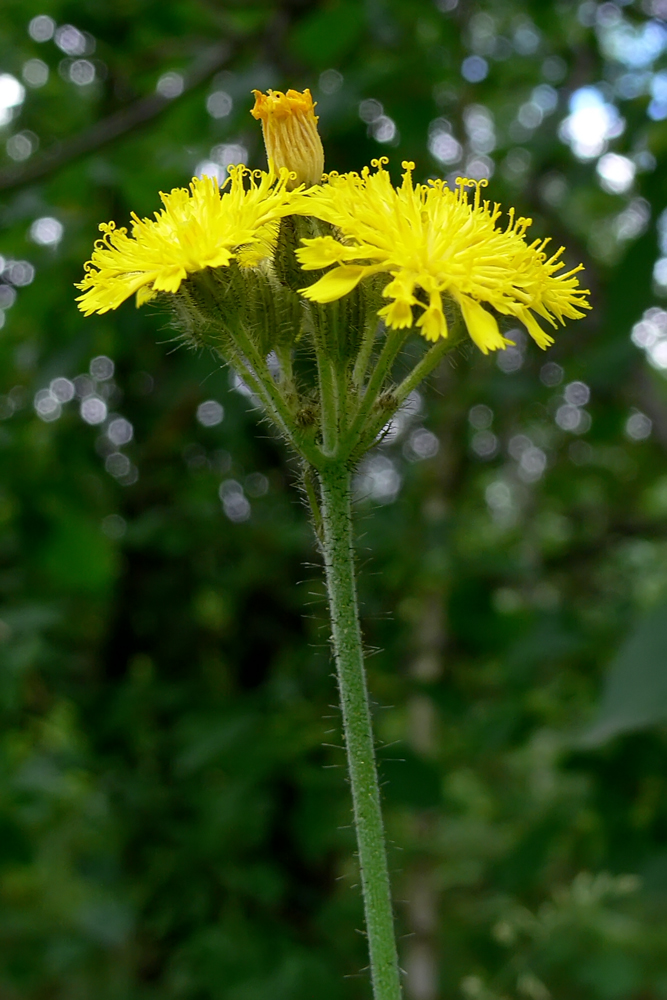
(541, 338)
(169, 279)
(145, 294)
(397, 315)
(290, 132)
(322, 251)
(482, 326)
(433, 323)
(336, 283)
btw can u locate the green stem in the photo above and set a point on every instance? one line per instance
(365, 352)
(427, 364)
(284, 354)
(328, 402)
(342, 396)
(243, 366)
(255, 371)
(421, 370)
(308, 480)
(392, 345)
(265, 377)
(347, 645)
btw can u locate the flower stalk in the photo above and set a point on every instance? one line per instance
(234, 262)
(358, 730)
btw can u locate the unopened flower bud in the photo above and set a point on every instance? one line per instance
(290, 132)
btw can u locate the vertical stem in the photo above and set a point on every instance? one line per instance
(307, 478)
(284, 354)
(328, 402)
(346, 634)
(342, 397)
(365, 352)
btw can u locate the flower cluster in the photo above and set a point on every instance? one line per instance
(435, 244)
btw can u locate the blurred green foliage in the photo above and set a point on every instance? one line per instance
(174, 817)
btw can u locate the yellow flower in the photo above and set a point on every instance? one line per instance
(289, 126)
(434, 242)
(204, 227)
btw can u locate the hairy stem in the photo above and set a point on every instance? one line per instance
(428, 363)
(264, 376)
(284, 355)
(328, 402)
(365, 352)
(243, 367)
(422, 369)
(392, 345)
(310, 489)
(347, 645)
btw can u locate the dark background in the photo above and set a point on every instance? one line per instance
(174, 816)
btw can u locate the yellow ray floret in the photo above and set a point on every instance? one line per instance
(289, 126)
(205, 226)
(435, 242)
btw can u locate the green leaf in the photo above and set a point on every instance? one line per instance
(635, 690)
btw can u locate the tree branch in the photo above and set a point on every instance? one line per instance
(112, 127)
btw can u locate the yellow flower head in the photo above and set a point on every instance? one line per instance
(436, 242)
(289, 125)
(205, 226)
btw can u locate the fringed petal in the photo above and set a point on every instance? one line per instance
(482, 326)
(336, 283)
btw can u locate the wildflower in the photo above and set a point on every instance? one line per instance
(206, 226)
(435, 242)
(289, 126)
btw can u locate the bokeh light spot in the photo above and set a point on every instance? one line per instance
(35, 72)
(93, 410)
(101, 368)
(19, 272)
(210, 413)
(71, 41)
(330, 81)
(21, 146)
(41, 28)
(170, 85)
(81, 72)
(638, 426)
(120, 431)
(114, 526)
(46, 231)
(474, 69)
(62, 389)
(234, 503)
(219, 104)
(616, 173)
